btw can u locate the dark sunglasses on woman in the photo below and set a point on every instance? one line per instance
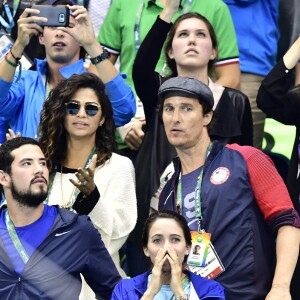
(73, 108)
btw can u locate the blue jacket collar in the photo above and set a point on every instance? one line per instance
(140, 282)
(63, 218)
(66, 71)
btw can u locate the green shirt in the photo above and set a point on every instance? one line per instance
(117, 30)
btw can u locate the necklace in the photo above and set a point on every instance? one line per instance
(72, 198)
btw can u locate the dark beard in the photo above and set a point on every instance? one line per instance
(27, 198)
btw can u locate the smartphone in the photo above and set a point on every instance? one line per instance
(58, 16)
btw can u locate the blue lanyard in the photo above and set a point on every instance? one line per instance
(15, 239)
(198, 211)
(137, 38)
(10, 16)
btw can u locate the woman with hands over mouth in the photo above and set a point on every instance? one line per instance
(87, 176)
(167, 242)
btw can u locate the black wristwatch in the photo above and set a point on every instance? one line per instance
(101, 57)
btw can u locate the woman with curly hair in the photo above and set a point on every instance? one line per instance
(87, 176)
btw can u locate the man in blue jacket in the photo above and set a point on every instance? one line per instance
(22, 94)
(44, 249)
(232, 192)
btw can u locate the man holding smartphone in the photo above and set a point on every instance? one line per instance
(21, 100)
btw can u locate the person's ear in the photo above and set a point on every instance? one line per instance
(41, 38)
(207, 118)
(146, 252)
(4, 178)
(214, 53)
(170, 54)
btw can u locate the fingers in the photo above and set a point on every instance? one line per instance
(92, 166)
(160, 257)
(28, 11)
(27, 25)
(85, 182)
(156, 279)
(135, 136)
(11, 135)
(173, 4)
(172, 253)
(78, 11)
(172, 257)
(31, 16)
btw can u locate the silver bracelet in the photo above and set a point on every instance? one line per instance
(182, 298)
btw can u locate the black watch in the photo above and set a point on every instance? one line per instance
(105, 55)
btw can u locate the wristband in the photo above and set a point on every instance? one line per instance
(10, 62)
(105, 55)
(17, 59)
(14, 64)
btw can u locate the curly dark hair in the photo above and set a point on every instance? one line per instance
(171, 62)
(53, 135)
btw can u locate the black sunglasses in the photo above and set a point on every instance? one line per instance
(73, 108)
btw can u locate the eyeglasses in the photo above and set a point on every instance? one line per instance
(73, 108)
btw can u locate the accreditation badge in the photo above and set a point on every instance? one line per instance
(203, 259)
(199, 249)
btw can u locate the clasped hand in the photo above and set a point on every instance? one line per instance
(159, 276)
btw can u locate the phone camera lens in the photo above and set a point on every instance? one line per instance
(61, 18)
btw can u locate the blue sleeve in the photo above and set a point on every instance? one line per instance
(129, 289)
(100, 272)
(122, 100)
(11, 96)
(3, 128)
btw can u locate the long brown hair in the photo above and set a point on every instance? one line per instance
(53, 135)
(171, 62)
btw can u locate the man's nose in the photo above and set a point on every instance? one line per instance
(39, 169)
(59, 32)
(176, 116)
